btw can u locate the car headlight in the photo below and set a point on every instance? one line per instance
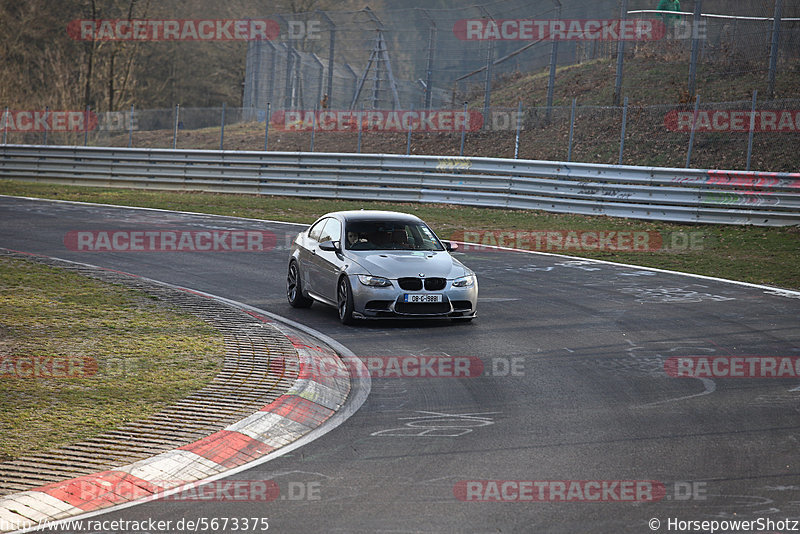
(374, 281)
(464, 281)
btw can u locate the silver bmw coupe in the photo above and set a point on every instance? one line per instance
(379, 264)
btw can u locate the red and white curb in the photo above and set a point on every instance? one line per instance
(313, 399)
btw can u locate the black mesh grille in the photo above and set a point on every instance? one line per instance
(422, 308)
(462, 305)
(410, 284)
(378, 304)
(435, 284)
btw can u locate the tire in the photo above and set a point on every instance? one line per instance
(294, 288)
(344, 301)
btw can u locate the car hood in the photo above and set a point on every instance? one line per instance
(400, 263)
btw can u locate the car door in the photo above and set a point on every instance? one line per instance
(309, 246)
(328, 263)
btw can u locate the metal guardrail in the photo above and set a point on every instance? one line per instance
(653, 193)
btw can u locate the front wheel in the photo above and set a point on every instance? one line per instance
(344, 301)
(294, 288)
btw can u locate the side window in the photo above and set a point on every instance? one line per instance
(332, 231)
(316, 230)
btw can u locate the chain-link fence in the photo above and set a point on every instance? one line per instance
(731, 135)
(436, 58)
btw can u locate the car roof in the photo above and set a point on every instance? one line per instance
(371, 215)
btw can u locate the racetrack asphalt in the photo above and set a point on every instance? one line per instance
(573, 388)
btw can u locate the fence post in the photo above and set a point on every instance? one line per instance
(624, 129)
(463, 130)
(429, 65)
(46, 113)
(273, 60)
(487, 85)
(222, 127)
(620, 56)
(85, 126)
(571, 129)
(355, 85)
(130, 128)
(5, 126)
(408, 142)
(774, 50)
(551, 81)
(175, 129)
(691, 135)
(313, 128)
(519, 125)
(266, 126)
(360, 118)
(752, 129)
(331, 51)
(698, 10)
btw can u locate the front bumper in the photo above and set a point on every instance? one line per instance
(387, 302)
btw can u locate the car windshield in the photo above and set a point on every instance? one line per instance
(389, 235)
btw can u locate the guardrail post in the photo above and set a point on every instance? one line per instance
(752, 129)
(222, 127)
(571, 129)
(463, 130)
(691, 135)
(624, 129)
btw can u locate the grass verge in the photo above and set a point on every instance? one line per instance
(79, 356)
(745, 253)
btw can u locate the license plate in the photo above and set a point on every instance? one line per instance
(410, 297)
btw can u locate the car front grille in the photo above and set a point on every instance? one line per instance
(416, 284)
(410, 284)
(435, 284)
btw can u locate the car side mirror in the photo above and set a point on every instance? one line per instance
(329, 246)
(450, 247)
